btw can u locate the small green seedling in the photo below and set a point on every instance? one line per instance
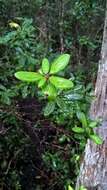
(81, 188)
(46, 77)
(87, 128)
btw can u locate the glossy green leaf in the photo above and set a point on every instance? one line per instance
(49, 108)
(70, 188)
(96, 139)
(59, 63)
(82, 118)
(61, 83)
(40, 71)
(45, 66)
(28, 76)
(78, 130)
(50, 91)
(93, 124)
(82, 188)
(41, 82)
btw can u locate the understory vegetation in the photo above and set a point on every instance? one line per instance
(43, 132)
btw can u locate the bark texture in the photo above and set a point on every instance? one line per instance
(93, 170)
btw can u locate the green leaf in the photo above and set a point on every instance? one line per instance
(28, 76)
(5, 99)
(11, 35)
(31, 60)
(74, 96)
(25, 91)
(61, 103)
(93, 124)
(2, 87)
(49, 108)
(78, 129)
(50, 91)
(96, 139)
(88, 130)
(82, 188)
(40, 71)
(82, 118)
(69, 187)
(45, 66)
(14, 25)
(62, 139)
(60, 63)
(61, 83)
(42, 82)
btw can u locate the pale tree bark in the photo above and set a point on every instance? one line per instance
(93, 170)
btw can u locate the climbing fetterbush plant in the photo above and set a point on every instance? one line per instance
(50, 84)
(46, 77)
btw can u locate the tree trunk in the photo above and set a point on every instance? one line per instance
(93, 170)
